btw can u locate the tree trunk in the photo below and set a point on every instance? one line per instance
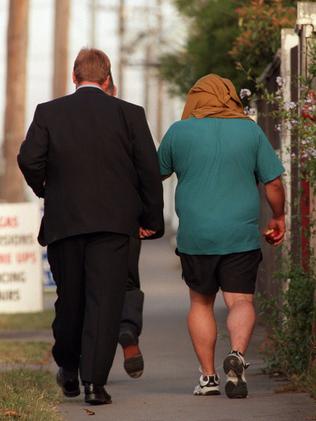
(12, 185)
(61, 70)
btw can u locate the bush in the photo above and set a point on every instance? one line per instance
(290, 319)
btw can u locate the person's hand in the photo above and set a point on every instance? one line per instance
(275, 231)
(144, 233)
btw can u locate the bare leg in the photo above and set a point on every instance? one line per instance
(241, 319)
(202, 328)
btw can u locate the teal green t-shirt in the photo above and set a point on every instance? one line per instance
(219, 163)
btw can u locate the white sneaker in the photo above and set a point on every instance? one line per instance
(208, 385)
(234, 366)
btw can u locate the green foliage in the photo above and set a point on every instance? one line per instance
(225, 35)
(289, 319)
(310, 382)
(298, 118)
(312, 62)
(260, 23)
(213, 26)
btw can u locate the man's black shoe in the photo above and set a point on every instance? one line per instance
(127, 338)
(133, 362)
(133, 358)
(96, 395)
(68, 381)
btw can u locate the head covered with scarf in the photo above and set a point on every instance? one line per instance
(213, 96)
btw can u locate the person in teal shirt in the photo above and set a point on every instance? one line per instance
(219, 156)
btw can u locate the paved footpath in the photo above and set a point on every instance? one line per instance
(164, 392)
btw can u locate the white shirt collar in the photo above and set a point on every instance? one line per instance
(89, 86)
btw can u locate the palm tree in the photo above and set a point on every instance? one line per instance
(12, 186)
(61, 70)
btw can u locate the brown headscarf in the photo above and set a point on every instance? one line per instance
(213, 96)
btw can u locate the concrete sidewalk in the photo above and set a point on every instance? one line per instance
(164, 392)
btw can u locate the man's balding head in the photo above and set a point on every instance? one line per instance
(91, 65)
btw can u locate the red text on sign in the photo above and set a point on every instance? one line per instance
(8, 221)
(5, 258)
(25, 257)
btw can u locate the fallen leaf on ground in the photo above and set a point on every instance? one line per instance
(10, 413)
(89, 412)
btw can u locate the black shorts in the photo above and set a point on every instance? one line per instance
(235, 272)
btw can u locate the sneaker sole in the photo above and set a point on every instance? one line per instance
(208, 393)
(234, 368)
(236, 391)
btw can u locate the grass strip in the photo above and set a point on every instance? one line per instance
(25, 352)
(304, 383)
(27, 321)
(28, 395)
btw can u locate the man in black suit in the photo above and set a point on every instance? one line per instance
(132, 315)
(92, 158)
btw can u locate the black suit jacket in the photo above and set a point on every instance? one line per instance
(91, 156)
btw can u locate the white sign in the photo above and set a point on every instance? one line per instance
(21, 289)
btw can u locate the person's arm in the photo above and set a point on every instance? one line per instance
(268, 171)
(165, 156)
(32, 157)
(275, 195)
(147, 167)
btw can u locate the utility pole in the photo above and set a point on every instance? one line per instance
(12, 185)
(127, 48)
(147, 72)
(61, 70)
(147, 60)
(159, 80)
(121, 41)
(93, 6)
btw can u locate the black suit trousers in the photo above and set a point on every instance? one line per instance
(90, 272)
(132, 315)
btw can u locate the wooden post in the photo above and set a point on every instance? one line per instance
(61, 69)
(306, 24)
(306, 20)
(12, 185)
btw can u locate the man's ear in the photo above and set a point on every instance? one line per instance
(105, 85)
